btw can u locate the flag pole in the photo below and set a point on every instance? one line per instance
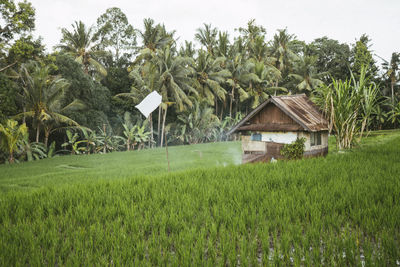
(166, 149)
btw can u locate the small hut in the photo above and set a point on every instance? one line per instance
(281, 120)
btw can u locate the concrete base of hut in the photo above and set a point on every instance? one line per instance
(261, 151)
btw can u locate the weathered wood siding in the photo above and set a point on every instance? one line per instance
(272, 114)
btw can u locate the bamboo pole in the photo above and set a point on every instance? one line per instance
(166, 149)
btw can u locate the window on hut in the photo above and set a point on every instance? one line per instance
(315, 139)
(256, 137)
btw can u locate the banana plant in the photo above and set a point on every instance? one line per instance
(107, 142)
(141, 135)
(74, 143)
(394, 114)
(32, 150)
(91, 140)
(11, 137)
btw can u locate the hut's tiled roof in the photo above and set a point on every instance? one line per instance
(298, 107)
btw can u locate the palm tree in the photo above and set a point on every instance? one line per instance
(223, 45)
(392, 69)
(241, 76)
(42, 96)
(306, 74)
(187, 50)
(260, 89)
(258, 49)
(155, 36)
(196, 124)
(282, 50)
(209, 76)
(252, 35)
(207, 37)
(81, 44)
(174, 82)
(146, 79)
(12, 135)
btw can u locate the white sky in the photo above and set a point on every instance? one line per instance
(343, 20)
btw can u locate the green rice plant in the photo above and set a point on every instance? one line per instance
(339, 210)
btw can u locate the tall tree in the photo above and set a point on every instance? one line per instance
(209, 77)
(97, 98)
(305, 74)
(115, 33)
(362, 57)
(81, 44)
(42, 94)
(207, 36)
(223, 44)
(332, 57)
(174, 84)
(241, 77)
(391, 71)
(282, 49)
(251, 34)
(187, 50)
(261, 88)
(16, 19)
(155, 36)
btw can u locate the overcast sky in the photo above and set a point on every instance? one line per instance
(343, 20)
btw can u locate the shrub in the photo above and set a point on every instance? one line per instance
(294, 150)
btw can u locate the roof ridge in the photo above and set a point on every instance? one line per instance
(296, 95)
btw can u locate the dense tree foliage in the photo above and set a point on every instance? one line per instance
(98, 74)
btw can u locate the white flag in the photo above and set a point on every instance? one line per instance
(149, 103)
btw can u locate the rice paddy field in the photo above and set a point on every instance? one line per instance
(127, 209)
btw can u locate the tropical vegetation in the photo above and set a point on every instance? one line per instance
(86, 85)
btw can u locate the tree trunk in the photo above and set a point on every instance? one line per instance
(159, 120)
(392, 85)
(163, 126)
(151, 141)
(37, 133)
(11, 159)
(46, 137)
(128, 144)
(24, 118)
(230, 104)
(105, 142)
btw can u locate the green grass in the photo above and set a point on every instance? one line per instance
(88, 168)
(339, 210)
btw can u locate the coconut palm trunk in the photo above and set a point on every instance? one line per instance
(163, 126)
(37, 133)
(392, 87)
(151, 130)
(46, 137)
(231, 101)
(159, 124)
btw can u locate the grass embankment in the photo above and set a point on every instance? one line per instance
(339, 210)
